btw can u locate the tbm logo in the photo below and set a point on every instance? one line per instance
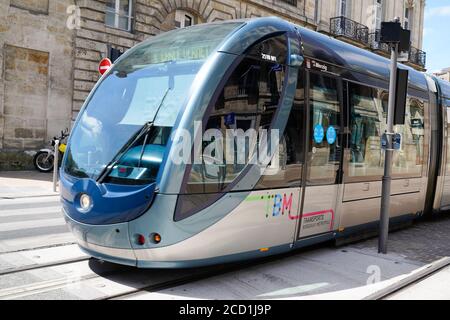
(281, 205)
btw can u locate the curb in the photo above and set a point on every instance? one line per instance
(410, 279)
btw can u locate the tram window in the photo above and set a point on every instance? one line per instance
(447, 120)
(140, 165)
(325, 123)
(247, 102)
(289, 171)
(367, 123)
(410, 159)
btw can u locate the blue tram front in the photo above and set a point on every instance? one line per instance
(130, 197)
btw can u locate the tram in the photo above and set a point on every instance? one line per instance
(129, 199)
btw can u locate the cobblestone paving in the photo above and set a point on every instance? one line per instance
(425, 241)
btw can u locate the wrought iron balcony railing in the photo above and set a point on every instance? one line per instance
(418, 57)
(344, 27)
(375, 44)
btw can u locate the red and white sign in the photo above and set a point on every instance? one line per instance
(104, 65)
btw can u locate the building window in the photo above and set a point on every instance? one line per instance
(291, 2)
(379, 12)
(119, 14)
(409, 14)
(317, 11)
(345, 7)
(184, 19)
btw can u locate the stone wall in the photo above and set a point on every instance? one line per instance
(36, 65)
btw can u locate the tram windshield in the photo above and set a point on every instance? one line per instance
(148, 85)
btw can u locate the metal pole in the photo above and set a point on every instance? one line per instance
(55, 165)
(386, 187)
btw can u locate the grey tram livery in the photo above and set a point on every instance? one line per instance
(128, 199)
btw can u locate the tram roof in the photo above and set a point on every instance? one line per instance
(322, 47)
(445, 88)
(333, 51)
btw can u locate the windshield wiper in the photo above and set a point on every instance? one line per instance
(133, 140)
(142, 132)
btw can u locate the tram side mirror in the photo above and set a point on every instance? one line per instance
(296, 60)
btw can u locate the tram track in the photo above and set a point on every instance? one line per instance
(41, 266)
(121, 282)
(44, 286)
(39, 248)
(134, 287)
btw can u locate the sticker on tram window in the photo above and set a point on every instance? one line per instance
(331, 135)
(230, 119)
(319, 133)
(268, 57)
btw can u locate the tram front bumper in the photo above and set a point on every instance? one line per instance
(105, 242)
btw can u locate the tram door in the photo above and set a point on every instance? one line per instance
(323, 156)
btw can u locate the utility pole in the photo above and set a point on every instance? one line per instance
(389, 153)
(393, 34)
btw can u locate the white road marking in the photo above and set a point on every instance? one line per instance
(31, 224)
(41, 256)
(30, 211)
(48, 199)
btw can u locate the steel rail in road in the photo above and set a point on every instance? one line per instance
(42, 265)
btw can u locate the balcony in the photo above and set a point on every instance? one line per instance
(376, 45)
(355, 32)
(418, 57)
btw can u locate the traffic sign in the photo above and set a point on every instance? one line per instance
(396, 141)
(104, 65)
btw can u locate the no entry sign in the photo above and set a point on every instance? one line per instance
(104, 65)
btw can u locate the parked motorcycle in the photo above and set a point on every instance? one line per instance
(44, 160)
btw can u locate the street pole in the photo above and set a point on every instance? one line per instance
(55, 165)
(389, 152)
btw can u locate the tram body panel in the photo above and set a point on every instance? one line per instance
(320, 212)
(249, 227)
(160, 219)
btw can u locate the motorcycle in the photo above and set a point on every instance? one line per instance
(44, 159)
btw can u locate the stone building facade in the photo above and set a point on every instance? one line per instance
(50, 49)
(444, 74)
(36, 62)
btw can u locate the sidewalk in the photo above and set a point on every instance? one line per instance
(435, 287)
(21, 184)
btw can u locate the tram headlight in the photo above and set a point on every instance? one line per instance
(85, 202)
